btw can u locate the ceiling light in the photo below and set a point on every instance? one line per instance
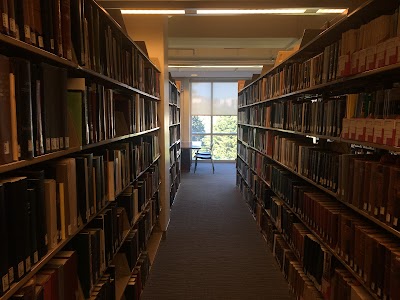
(250, 11)
(218, 66)
(331, 10)
(152, 11)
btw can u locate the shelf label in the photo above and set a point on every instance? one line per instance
(5, 283)
(27, 32)
(6, 148)
(5, 20)
(40, 42)
(20, 269)
(11, 275)
(28, 264)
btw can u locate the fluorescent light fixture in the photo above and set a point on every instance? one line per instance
(152, 11)
(331, 10)
(251, 11)
(217, 67)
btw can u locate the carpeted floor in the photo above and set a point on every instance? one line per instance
(212, 248)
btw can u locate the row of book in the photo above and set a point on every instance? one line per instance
(174, 95)
(355, 240)
(373, 45)
(31, 122)
(310, 269)
(65, 193)
(311, 115)
(138, 279)
(259, 138)
(174, 115)
(49, 25)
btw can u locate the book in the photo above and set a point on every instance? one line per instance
(5, 134)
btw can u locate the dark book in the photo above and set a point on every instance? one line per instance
(49, 92)
(23, 96)
(37, 14)
(78, 109)
(66, 29)
(4, 286)
(98, 188)
(37, 101)
(77, 27)
(66, 262)
(82, 244)
(57, 25)
(82, 188)
(5, 111)
(17, 217)
(47, 8)
(5, 28)
(11, 18)
(23, 20)
(62, 109)
(31, 226)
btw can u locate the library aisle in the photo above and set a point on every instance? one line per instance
(213, 249)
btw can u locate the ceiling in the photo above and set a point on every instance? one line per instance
(231, 40)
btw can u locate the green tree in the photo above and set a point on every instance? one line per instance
(225, 145)
(197, 125)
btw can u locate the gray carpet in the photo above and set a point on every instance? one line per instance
(212, 248)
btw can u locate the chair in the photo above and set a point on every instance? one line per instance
(206, 154)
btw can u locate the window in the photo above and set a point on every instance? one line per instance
(214, 116)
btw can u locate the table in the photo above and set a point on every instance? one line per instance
(186, 158)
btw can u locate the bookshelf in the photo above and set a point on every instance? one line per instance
(317, 164)
(80, 156)
(175, 140)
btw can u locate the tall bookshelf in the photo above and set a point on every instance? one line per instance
(318, 141)
(80, 154)
(175, 140)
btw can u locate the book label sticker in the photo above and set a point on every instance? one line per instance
(69, 229)
(52, 44)
(388, 217)
(33, 37)
(40, 42)
(12, 25)
(6, 148)
(66, 142)
(53, 144)
(5, 283)
(5, 20)
(30, 145)
(27, 32)
(35, 257)
(28, 264)
(48, 144)
(11, 275)
(61, 143)
(20, 269)
(382, 210)
(375, 211)
(365, 206)
(395, 221)
(87, 214)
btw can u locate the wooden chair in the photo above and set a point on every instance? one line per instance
(205, 154)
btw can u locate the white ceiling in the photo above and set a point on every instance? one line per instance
(226, 40)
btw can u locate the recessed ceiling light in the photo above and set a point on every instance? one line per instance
(331, 10)
(152, 11)
(193, 75)
(250, 11)
(217, 66)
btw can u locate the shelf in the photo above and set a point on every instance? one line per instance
(326, 137)
(24, 163)
(322, 242)
(113, 82)
(335, 195)
(153, 245)
(175, 143)
(11, 47)
(367, 11)
(51, 253)
(176, 124)
(119, 138)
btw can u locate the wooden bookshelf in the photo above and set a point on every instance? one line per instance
(143, 83)
(277, 90)
(175, 142)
